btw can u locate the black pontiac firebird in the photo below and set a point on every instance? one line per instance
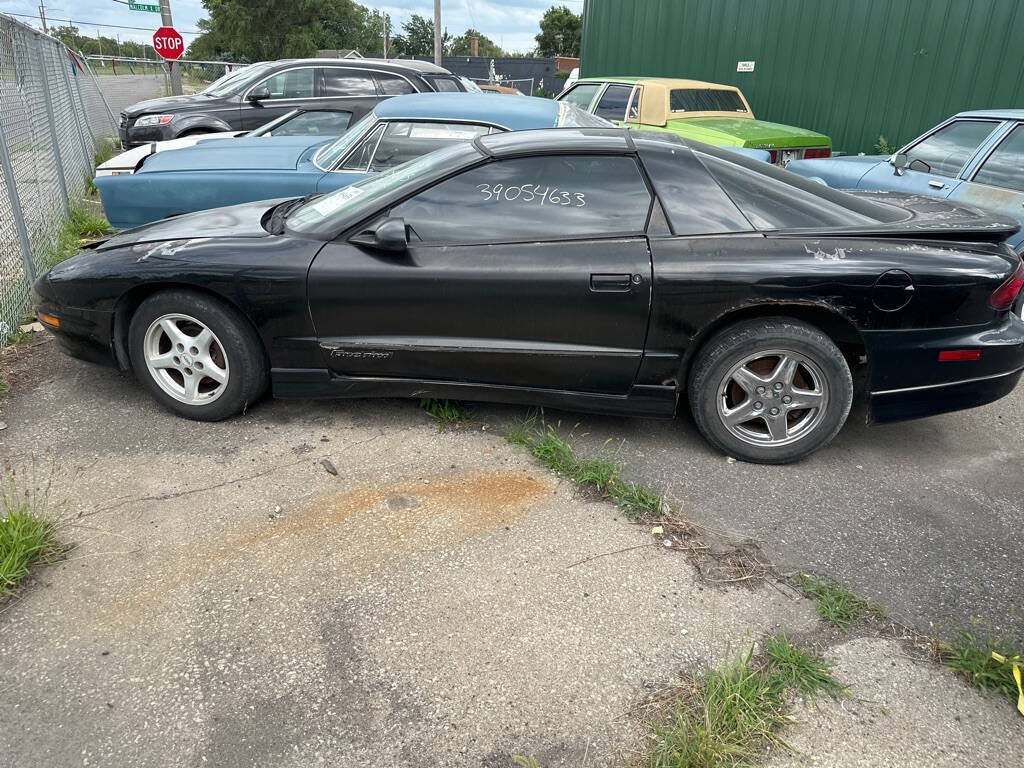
(591, 269)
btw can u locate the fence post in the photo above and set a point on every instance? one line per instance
(16, 212)
(48, 102)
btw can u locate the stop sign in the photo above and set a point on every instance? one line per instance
(168, 43)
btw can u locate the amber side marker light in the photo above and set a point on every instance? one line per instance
(956, 355)
(51, 320)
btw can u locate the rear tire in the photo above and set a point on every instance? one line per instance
(770, 391)
(199, 357)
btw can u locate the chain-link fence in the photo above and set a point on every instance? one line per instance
(56, 108)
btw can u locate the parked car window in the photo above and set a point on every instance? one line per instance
(704, 100)
(1005, 166)
(612, 105)
(404, 141)
(359, 160)
(948, 149)
(236, 81)
(445, 84)
(291, 84)
(316, 123)
(339, 81)
(532, 198)
(581, 95)
(393, 85)
(633, 110)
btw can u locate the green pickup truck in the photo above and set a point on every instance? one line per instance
(708, 112)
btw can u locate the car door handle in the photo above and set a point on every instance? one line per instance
(610, 282)
(936, 184)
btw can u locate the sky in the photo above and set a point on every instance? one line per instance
(510, 23)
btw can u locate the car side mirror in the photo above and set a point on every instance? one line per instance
(259, 93)
(390, 235)
(899, 161)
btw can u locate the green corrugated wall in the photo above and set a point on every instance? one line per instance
(853, 69)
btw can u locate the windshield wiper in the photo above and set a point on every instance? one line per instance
(276, 223)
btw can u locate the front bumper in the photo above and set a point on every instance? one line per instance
(132, 136)
(83, 333)
(907, 381)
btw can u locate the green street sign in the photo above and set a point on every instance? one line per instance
(143, 7)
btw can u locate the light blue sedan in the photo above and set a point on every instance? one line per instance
(214, 173)
(975, 158)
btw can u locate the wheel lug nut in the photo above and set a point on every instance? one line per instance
(193, 350)
(778, 385)
(199, 365)
(188, 371)
(787, 399)
(758, 405)
(181, 347)
(775, 411)
(761, 390)
(177, 360)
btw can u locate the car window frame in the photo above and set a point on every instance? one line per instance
(945, 124)
(316, 84)
(643, 232)
(339, 166)
(980, 158)
(625, 110)
(637, 95)
(597, 93)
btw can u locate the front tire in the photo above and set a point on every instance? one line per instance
(199, 357)
(770, 391)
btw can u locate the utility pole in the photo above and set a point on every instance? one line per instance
(42, 18)
(437, 32)
(165, 20)
(387, 33)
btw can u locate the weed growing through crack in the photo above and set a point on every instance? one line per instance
(836, 604)
(798, 670)
(601, 474)
(447, 413)
(971, 657)
(28, 525)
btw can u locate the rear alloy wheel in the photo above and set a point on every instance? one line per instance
(198, 357)
(770, 391)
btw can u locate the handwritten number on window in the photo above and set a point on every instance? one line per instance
(529, 193)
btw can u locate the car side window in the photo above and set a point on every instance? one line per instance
(445, 84)
(320, 123)
(393, 85)
(359, 158)
(633, 110)
(532, 198)
(581, 95)
(291, 84)
(1005, 166)
(340, 81)
(404, 141)
(947, 150)
(612, 105)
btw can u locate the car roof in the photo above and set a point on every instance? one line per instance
(1004, 114)
(668, 82)
(555, 140)
(497, 109)
(423, 67)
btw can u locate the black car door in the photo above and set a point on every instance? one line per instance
(527, 272)
(349, 88)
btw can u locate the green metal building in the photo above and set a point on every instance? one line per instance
(852, 69)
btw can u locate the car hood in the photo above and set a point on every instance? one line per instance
(232, 221)
(744, 132)
(167, 104)
(242, 154)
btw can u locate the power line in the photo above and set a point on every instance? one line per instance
(98, 24)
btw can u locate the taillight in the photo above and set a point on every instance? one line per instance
(814, 154)
(1003, 296)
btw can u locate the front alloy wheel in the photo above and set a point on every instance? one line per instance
(186, 359)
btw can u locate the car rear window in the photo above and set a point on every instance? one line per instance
(445, 84)
(705, 100)
(772, 198)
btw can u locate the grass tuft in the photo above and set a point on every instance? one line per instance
(971, 658)
(798, 670)
(836, 604)
(447, 413)
(28, 526)
(81, 225)
(105, 150)
(600, 474)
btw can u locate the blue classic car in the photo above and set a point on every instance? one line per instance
(216, 173)
(975, 158)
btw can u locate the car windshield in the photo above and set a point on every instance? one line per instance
(239, 81)
(360, 198)
(328, 157)
(705, 100)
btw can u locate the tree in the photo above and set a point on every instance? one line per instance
(417, 38)
(463, 45)
(560, 32)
